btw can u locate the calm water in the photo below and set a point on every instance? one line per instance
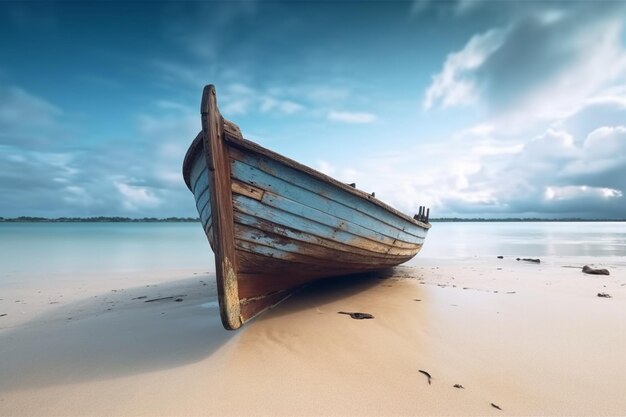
(76, 247)
(535, 239)
(36, 248)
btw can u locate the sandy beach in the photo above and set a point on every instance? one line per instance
(530, 339)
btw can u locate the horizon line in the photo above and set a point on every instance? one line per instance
(174, 219)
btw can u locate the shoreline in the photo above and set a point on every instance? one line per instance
(533, 339)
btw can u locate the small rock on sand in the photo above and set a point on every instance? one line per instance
(594, 271)
(604, 295)
(500, 257)
(458, 386)
(3, 314)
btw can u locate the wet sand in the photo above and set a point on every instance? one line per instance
(532, 339)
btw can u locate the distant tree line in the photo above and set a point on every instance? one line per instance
(106, 219)
(99, 219)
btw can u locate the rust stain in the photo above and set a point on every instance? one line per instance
(247, 190)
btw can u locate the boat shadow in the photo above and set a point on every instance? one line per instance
(89, 340)
(114, 335)
(327, 291)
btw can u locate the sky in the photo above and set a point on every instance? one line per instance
(473, 108)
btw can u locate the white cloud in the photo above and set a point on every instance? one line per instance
(596, 60)
(325, 167)
(27, 120)
(352, 117)
(322, 94)
(482, 129)
(603, 157)
(172, 105)
(78, 196)
(552, 174)
(546, 64)
(176, 73)
(17, 104)
(606, 141)
(454, 85)
(136, 197)
(283, 106)
(551, 16)
(570, 192)
(455, 7)
(491, 148)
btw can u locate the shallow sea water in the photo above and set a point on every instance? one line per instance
(531, 239)
(37, 249)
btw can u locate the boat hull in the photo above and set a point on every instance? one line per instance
(286, 224)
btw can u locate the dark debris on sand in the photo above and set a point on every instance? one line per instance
(495, 406)
(356, 315)
(532, 260)
(172, 297)
(595, 271)
(604, 295)
(427, 375)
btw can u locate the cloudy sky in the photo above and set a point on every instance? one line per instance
(474, 108)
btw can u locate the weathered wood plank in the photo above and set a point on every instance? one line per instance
(252, 308)
(203, 200)
(356, 245)
(198, 171)
(247, 190)
(205, 215)
(232, 130)
(322, 254)
(322, 202)
(304, 216)
(254, 270)
(201, 182)
(255, 264)
(195, 150)
(208, 231)
(287, 253)
(255, 208)
(272, 163)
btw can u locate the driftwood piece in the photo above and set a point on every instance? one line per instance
(595, 271)
(495, 406)
(357, 316)
(165, 298)
(533, 260)
(427, 375)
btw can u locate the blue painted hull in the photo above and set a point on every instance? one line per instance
(289, 224)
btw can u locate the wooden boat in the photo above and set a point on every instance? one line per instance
(275, 225)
